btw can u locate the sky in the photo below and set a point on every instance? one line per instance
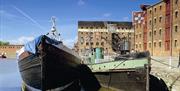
(24, 20)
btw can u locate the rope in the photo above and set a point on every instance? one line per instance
(160, 61)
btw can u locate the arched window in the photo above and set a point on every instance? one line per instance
(176, 14)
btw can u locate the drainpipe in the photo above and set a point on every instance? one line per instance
(152, 28)
(171, 28)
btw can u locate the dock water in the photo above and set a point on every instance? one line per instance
(10, 79)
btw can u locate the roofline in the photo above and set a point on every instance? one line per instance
(102, 21)
(11, 45)
(155, 4)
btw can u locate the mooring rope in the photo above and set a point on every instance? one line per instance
(160, 61)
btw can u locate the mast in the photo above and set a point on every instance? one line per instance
(53, 19)
(54, 33)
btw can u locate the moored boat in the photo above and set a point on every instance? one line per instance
(125, 73)
(46, 64)
(3, 55)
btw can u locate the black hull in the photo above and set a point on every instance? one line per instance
(58, 68)
(53, 68)
(123, 81)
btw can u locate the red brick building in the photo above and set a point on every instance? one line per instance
(157, 28)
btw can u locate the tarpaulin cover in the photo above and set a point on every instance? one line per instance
(32, 45)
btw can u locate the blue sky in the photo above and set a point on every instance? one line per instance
(23, 20)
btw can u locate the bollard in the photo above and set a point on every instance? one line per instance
(170, 62)
(179, 60)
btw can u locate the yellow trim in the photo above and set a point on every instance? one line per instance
(23, 87)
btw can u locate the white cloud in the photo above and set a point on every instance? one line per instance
(5, 14)
(21, 40)
(81, 2)
(70, 42)
(107, 14)
(125, 18)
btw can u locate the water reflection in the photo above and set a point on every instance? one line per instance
(10, 79)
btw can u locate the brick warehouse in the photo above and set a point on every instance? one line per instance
(92, 34)
(157, 28)
(10, 50)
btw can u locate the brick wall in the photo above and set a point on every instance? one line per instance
(10, 50)
(156, 26)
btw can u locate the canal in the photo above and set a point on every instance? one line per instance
(10, 79)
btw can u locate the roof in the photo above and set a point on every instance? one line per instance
(155, 4)
(102, 24)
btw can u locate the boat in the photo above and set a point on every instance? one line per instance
(129, 72)
(3, 55)
(46, 64)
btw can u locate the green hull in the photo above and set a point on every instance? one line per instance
(123, 75)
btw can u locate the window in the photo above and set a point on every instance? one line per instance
(154, 9)
(150, 11)
(155, 20)
(176, 14)
(150, 22)
(91, 27)
(159, 31)
(140, 35)
(136, 46)
(150, 33)
(81, 40)
(136, 36)
(160, 7)
(176, 1)
(175, 43)
(86, 27)
(102, 43)
(154, 32)
(154, 44)
(81, 27)
(160, 19)
(91, 43)
(87, 43)
(159, 44)
(97, 43)
(176, 28)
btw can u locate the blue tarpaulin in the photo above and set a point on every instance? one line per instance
(32, 45)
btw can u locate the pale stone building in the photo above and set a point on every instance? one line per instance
(93, 34)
